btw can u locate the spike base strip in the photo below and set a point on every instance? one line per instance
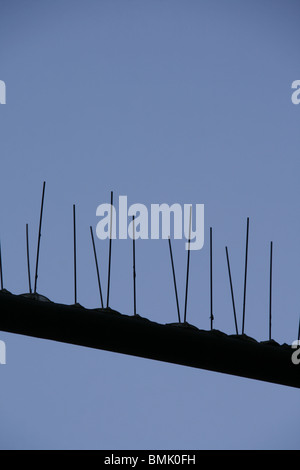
(108, 330)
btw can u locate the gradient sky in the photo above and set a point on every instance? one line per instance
(162, 101)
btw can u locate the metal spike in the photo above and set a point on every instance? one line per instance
(231, 288)
(1, 271)
(109, 254)
(211, 283)
(74, 246)
(39, 239)
(188, 268)
(134, 271)
(97, 267)
(245, 278)
(174, 280)
(270, 299)
(28, 261)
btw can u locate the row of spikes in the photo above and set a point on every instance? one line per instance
(230, 282)
(134, 270)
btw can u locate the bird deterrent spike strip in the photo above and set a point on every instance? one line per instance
(185, 345)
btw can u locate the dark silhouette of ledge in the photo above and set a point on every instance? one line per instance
(183, 344)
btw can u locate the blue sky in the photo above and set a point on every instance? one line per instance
(162, 101)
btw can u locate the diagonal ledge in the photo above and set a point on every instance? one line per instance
(180, 344)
